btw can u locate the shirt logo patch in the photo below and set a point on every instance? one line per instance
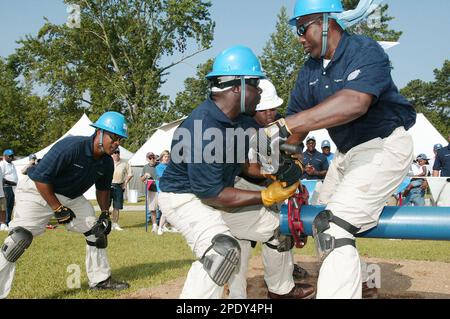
(314, 83)
(353, 75)
(338, 80)
(78, 165)
(100, 173)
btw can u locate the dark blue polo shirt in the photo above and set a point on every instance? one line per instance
(359, 64)
(71, 168)
(317, 160)
(442, 161)
(190, 172)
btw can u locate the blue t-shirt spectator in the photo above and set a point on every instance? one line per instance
(160, 168)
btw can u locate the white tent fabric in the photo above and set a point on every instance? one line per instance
(386, 45)
(160, 140)
(81, 128)
(424, 136)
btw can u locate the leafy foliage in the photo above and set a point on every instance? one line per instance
(282, 58)
(377, 28)
(22, 114)
(196, 91)
(433, 98)
(112, 62)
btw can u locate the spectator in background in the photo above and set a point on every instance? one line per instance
(122, 175)
(32, 160)
(436, 147)
(3, 226)
(148, 177)
(10, 180)
(414, 193)
(316, 164)
(326, 150)
(442, 161)
(164, 161)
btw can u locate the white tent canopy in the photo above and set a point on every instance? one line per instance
(160, 140)
(425, 136)
(81, 128)
(423, 133)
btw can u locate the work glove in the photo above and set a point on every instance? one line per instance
(290, 170)
(265, 145)
(105, 221)
(64, 214)
(275, 193)
(277, 129)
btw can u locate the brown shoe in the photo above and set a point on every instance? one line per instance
(300, 291)
(369, 293)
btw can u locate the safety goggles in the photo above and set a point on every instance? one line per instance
(250, 81)
(114, 137)
(301, 29)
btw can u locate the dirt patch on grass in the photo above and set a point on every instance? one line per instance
(399, 279)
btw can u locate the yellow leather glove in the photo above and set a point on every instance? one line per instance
(276, 193)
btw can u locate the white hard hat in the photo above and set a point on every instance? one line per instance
(269, 97)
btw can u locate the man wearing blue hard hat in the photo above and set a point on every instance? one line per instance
(346, 87)
(55, 187)
(202, 197)
(9, 181)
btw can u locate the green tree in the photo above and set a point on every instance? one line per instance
(282, 58)
(113, 60)
(432, 98)
(376, 26)
(196, 91)
(22, 114)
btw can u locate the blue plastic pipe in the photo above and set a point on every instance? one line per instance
(400, 222)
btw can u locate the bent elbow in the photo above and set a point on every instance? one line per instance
(361, 103)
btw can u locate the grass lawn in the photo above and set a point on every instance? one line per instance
(145, 260)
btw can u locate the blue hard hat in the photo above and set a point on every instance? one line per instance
(112, 122)
(237, 60)
(305, 7)
(437, 146)
(326, 143)
(8, 152)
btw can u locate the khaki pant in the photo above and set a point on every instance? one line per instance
(199, 223)
(33, 213)
(356, 188)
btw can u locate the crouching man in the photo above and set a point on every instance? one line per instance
(55, 187)
(200, 198)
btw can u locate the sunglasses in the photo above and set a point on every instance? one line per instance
(301, 29)
(252, 82)
(116, 153)
(114, 137)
